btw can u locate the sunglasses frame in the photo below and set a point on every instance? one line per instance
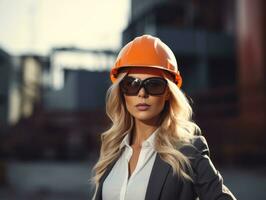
(143, 84)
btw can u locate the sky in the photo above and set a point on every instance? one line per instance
(35, 26)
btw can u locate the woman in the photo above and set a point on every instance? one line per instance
(153, 149)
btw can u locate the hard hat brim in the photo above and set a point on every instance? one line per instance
(115, 71)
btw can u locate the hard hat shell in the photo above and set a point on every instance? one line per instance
(146, 51)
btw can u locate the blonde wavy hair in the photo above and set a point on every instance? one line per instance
(176, 127)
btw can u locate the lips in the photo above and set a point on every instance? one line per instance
(142, 106)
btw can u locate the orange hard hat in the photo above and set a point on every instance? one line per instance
(146, 51)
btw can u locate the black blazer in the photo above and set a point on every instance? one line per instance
(163, 185)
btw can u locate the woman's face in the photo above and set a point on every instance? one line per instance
(143, 106)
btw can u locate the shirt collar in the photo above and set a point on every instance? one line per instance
(125, 141)
(149, 142)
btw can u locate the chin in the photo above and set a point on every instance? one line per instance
(145, 117)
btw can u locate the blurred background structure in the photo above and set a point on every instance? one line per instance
(53, 80)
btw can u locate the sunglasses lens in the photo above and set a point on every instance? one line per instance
(155, 86)
(130, 85)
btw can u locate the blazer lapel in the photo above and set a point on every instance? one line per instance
(99, 191)
(158, 175)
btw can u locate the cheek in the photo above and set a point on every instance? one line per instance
(159, 104)
(130, 102)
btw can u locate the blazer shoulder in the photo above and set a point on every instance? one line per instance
(195, 146)
(208, 181)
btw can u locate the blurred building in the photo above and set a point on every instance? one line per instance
(5, 75)
(219, 47)
(32, 70)
(21, 80)
(83, 91)
(78, 79)
(58, 107)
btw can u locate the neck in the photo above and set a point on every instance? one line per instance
(142, 130)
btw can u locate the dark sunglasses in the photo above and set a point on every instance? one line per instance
(153, 85)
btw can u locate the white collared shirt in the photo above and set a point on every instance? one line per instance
(117, 186)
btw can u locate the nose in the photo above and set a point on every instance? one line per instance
(142, 92)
